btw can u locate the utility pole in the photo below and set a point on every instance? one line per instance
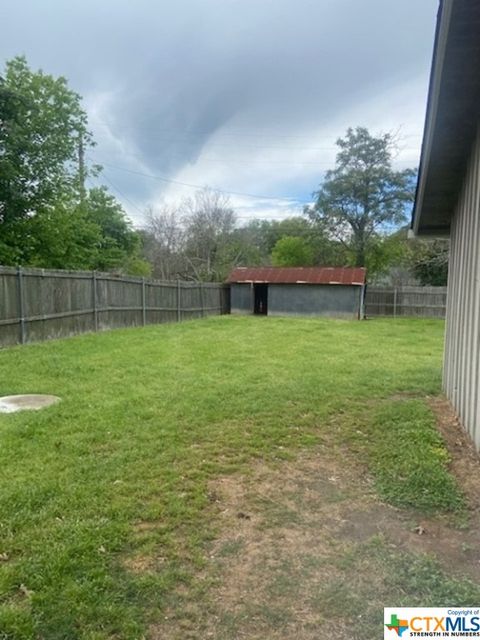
(81, 169)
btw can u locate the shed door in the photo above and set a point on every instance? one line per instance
(260, 306)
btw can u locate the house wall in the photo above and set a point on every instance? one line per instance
(338, 301)
(241, 298)
(461, 364)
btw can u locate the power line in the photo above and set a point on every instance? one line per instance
(197, 186)
(260, 216)
(120, 193)
(242, 162)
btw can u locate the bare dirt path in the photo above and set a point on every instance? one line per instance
(307, 550)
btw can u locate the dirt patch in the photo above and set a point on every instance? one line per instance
(146, 525)
(308, 544)
(299, 548)
(142, 564)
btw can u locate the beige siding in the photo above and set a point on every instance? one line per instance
(462, 342)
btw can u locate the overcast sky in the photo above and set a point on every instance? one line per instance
(247, 96)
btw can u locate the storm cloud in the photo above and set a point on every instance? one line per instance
(247, 96)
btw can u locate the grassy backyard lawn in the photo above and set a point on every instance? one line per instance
(109, 501)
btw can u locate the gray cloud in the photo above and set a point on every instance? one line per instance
(199, 89)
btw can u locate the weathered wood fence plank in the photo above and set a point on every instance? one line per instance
(425, 302)
(38, 304)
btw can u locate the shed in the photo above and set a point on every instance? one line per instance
(298, 291)
(448, 195)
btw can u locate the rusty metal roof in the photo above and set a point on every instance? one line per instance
(299, 275)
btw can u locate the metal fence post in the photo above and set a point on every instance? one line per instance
(395, 302)
(144, 307)
(179, 305)
(94, 300)
(21, 305)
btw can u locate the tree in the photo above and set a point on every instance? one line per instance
(164, 243)
(42, 125)
(385, 253)
(362, 195)
(295, 226)
(241, 249)
(430, 262)
(47, 218)
(195, 239)
(291, 251)
(119, 244)
(62, 238)
(262, 235)
(209, 221)
(95, 234)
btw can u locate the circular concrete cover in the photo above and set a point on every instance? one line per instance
(10, 404)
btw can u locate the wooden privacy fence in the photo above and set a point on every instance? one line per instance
(38, 304)
(425, 302)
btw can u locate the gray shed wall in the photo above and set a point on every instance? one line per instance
(462, 342)
(338, 301)
(241, 300)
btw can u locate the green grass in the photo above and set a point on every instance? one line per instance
(149, 416)
(405, 453)
(409, 460)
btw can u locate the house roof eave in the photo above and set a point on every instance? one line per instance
(453, 109)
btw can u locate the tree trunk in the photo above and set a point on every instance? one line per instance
(360, 257)
(360, 249)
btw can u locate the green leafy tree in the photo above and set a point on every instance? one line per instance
(387, 252)
(362, 195)
(42, 124)
(62, 238)
(291, 251)
(119, 245)
(264, 234)
(296, 226)
(233, 253)
(430, 262)
(117, 238)
(93, 235)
